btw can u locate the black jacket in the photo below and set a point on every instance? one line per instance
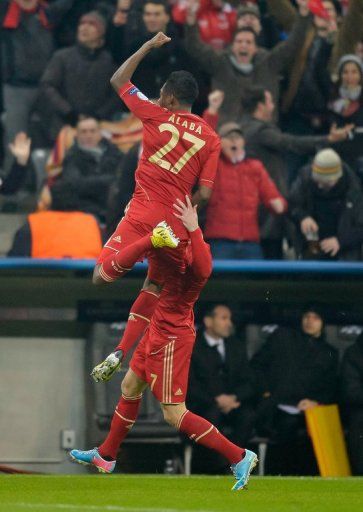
(209, 376)
(91, 177)
(77, 81)
(27, 49)
(302, 203)
(351, 378)
(292, 366)
(122, 189)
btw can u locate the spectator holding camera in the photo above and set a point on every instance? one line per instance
(326, 204)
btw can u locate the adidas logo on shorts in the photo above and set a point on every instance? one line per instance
(117, 238)
(178, 392)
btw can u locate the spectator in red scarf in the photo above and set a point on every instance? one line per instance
(216, 20)
(26, 30)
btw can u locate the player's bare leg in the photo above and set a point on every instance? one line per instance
(104, 457)
(203, 432)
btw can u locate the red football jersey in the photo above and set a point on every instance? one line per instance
(179, 150)
(174, 312)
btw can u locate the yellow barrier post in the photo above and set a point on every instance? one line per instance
(326, 432)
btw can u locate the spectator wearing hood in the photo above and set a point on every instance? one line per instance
(326, 204)
(295, 369)
(77, 79)
(346, 107)
(325, 41)
(351, 383)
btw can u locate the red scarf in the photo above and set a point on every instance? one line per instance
(13, 15)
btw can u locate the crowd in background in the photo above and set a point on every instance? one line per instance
(280, 81)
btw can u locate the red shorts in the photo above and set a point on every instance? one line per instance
(164, 364)
(140, 219)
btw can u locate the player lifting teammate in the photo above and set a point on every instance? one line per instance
(162, 359)
(180, 151)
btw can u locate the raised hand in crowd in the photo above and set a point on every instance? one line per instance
(340, 134)
(215, 100)
(20, 148)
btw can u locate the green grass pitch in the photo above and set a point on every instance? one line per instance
(143, 493)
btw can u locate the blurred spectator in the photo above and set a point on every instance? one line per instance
(264, 26)
(295, 369)
(352, 399)
(346, 106)
(26, 32)
(66, 32)
(62, 232)
(157, 65)
(221, 386)
(216, 20)
(116, 35)
(241, 185)
(324, 43)
(91, 165)
(244, 64)
(122, 189)
(22, 168)
(326, 204)
(77, 80)
(269, 143)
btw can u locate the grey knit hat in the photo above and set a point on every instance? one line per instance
(327, 166)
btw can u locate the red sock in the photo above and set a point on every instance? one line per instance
(118, 264)
(140, 315)
(123, 420)
(203, 432)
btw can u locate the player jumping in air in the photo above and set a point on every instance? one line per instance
(161, 361)
(180, 151)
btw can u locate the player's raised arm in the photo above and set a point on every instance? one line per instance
(127, 69)
(202, 259)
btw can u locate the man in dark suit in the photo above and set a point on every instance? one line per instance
(220, 383)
